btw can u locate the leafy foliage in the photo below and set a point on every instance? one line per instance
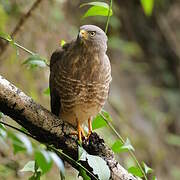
(98, 122)
(63, 42)
(135, 171)
(147, 6)
(98, 165)
(97, 9)
(18, 142)
(146, 168)
(30, 167)
(43, 160)
(35, 61)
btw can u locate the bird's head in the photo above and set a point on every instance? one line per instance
(93, 36)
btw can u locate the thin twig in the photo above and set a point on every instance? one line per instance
(108, 17)
(21, 22)
(25, 17)
(19, 46)
(23, 48)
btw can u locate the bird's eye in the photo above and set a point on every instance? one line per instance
(92, 33)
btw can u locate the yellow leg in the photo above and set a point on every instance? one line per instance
(89, 127)
(79, 131)
(82, 132)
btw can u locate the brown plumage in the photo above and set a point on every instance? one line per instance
(80, 74)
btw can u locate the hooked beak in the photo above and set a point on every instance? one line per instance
(83, 34)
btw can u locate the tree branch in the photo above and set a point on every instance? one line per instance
(49, 129)
(19, 25)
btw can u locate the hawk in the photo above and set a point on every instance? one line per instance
(80, 74)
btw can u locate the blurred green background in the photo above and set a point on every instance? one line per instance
(144, 50)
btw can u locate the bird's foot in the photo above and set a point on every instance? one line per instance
(80, 132)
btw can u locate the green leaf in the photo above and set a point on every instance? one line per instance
(100, 4)
(26, 142)
(35, 61)
(83, 174)
(81, 154)
(154, 178)
(13, 44)
(2, 126)
(97, 11)
(47, 91)
(18, 145)
(6, 36)
(63, 43)
(127, 145)
(3, 132)
(43, 160)
(35, 176)
(10, 40)
(147, 169)
(59, 163)
(98, 122)
(117, 147)
(135, 171)
(99, 166)
(147, 6)
(29, 167)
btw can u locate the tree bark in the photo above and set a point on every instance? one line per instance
(47, 128)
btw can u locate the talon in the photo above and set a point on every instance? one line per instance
(81, 133)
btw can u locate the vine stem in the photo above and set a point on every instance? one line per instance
(108, 17)
(22, 47)
(60, 152)
(123, 141)
(19, 46)
(17, 129)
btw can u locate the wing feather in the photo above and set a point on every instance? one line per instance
(54, 95)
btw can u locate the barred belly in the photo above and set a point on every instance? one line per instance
(80, 101)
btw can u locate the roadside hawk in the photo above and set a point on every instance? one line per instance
(80, 74)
